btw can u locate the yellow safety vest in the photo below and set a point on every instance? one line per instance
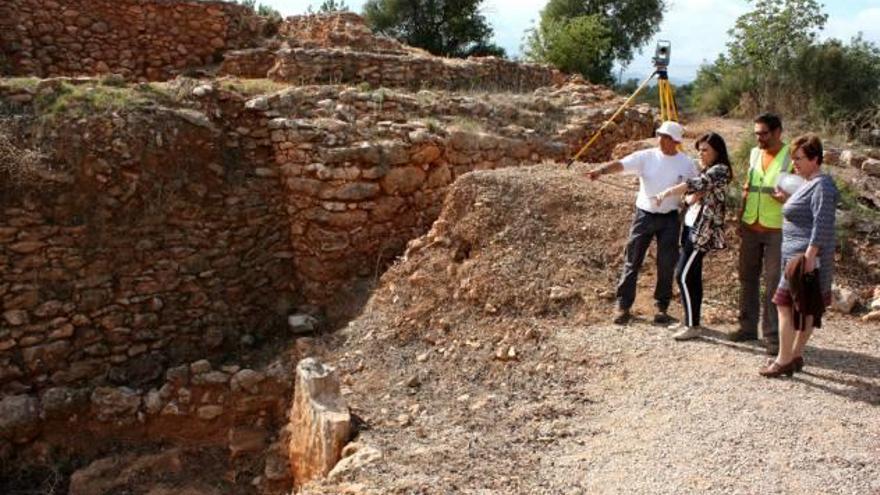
(760, 205)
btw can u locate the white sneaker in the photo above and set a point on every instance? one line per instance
(688, 333)
(675, 326)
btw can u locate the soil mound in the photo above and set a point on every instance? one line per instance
(532, 241)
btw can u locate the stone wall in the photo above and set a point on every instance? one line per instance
(338, 30)
(339, 48)
(239, 409)
(341, 66)
(153, 238)
(140, 39)
(364, 174)
(161, 234)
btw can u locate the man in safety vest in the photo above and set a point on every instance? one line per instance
(761, 233)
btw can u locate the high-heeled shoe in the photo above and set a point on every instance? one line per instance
(797, 362)
(774, 369)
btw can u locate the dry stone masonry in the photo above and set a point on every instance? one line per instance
(339, 48)
(168, 223)
(366, 171)
(139, 39)
(153, 240)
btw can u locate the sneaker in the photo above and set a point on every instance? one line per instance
(622, 317)
(742, 336)
(676, 326)
(688, 333)
(661, 318)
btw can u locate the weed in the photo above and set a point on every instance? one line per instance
(252, 87)
(82, 100)
(18, 165)
(467, 124)
(29, 83)
(433, 125)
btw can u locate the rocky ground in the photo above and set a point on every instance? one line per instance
(485, 364)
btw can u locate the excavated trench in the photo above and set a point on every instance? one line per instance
(153, 255)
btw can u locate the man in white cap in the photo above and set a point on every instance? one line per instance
(658, 169)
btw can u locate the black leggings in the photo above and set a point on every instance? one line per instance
(689, 275)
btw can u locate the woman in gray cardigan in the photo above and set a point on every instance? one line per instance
(808, 230)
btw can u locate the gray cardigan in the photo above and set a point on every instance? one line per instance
(808, 219)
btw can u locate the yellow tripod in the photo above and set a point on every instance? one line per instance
(668, 110)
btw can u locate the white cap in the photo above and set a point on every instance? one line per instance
(672, 129)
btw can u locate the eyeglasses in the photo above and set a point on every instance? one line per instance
(762, 133)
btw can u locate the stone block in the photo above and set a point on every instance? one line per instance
(320, 423)
(871, 166)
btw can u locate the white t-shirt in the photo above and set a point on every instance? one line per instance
(658, 172)
(693, 211)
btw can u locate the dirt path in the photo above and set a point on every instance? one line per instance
(607, 409)
(471, 379)
(695, 418)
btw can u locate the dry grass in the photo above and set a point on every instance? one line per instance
(18, 165)
(252, 87)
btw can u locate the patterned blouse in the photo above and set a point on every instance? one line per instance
(709, 227)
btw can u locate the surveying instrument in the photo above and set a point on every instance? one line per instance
(668, 110)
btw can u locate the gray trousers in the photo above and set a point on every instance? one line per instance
(645, 227)
(759, 250)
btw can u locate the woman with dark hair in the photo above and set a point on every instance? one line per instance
(703, 226)
(807, 257)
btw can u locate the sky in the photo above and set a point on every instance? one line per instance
(697, 29)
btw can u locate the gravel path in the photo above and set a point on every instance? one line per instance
(607, 409)
(695, 417)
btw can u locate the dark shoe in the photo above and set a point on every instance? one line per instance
(742, 336)
(661, 318)
(797, 363)
(771, 348)
(622, 317)
(775, 370)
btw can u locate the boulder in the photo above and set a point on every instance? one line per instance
(302, 323)
(320, 423)
(872, 316)
(831, 157)
(852, 158)
(122, 473)
(19, 418)
(111, 403)
(843, 300)
(871, 166)
(355, 456)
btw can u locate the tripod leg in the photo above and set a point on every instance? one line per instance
(664, 102)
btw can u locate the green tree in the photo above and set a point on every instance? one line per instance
(614, 28)
(333, 6)
(263, 10)
(774, 32)
(451, 28)
(768, 38)
(839, 80)
(579, 45)
(774, 62)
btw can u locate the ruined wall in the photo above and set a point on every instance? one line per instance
(231, 405)
(340, 66)
(365, 172)
(140, 39)
(339, 48)
(154, 238)
(338, 29)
